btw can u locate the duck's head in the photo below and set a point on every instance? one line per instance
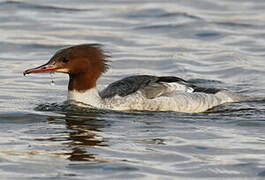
(84, 64)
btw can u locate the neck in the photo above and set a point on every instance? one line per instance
(81, 82)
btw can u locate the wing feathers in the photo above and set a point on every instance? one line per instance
(152, 86)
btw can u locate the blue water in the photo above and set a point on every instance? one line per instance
(218, 43)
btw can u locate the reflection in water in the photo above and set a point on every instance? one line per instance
(81, 136)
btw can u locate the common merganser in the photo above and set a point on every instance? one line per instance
(85, 63)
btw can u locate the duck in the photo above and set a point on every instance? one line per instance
(86, 63)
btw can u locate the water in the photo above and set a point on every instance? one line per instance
(215, 43)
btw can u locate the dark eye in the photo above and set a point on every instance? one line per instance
(65, 60)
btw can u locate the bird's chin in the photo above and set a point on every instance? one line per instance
(62, 70)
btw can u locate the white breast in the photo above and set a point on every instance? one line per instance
(90, 97)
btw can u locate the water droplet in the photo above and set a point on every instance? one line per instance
(52, 79)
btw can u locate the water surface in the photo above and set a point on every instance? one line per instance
(214, 43)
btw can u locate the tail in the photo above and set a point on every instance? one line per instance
(228, 96)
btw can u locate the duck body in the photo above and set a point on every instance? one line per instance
(86, 63)
(152, 93)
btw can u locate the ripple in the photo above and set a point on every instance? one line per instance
(156, 13)
(234, 24)
(31, 6)
(211, 44)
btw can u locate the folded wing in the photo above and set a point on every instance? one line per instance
(152, 86)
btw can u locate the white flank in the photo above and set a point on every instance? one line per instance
(178, 101)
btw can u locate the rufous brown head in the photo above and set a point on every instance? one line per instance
(85, 62)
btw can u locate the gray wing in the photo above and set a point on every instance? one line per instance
(151, 86)
(127, 86)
